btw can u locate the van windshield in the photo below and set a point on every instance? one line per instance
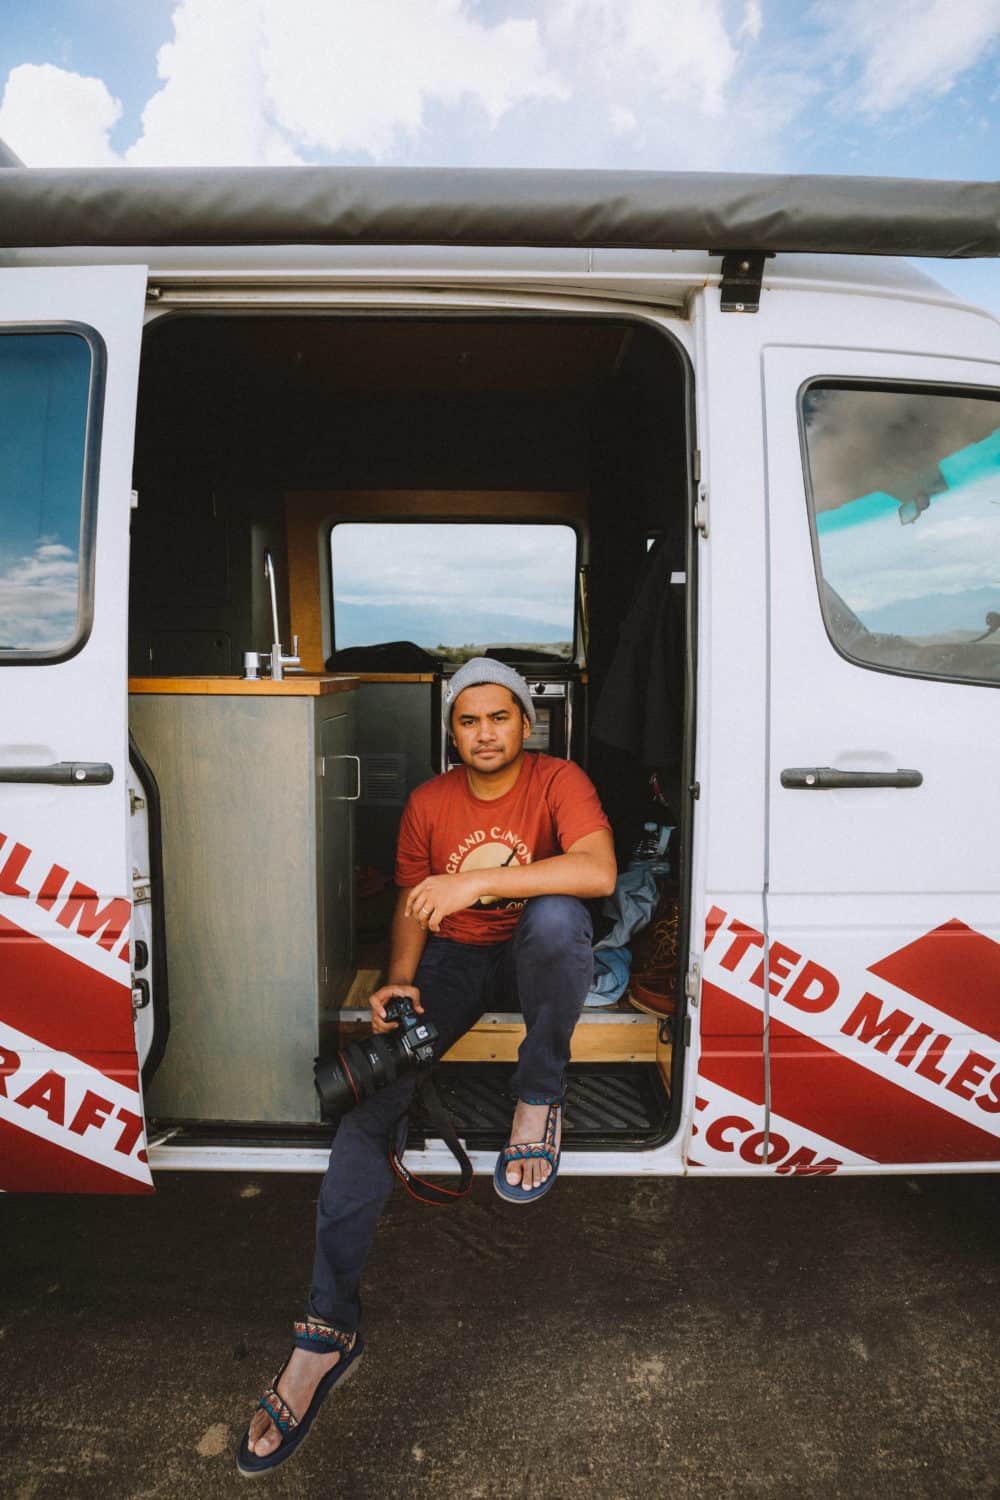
(455, 588)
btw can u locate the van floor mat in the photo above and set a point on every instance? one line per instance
(607, 1104)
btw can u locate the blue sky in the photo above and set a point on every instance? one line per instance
(883, 87)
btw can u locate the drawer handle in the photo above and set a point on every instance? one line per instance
(345, 796)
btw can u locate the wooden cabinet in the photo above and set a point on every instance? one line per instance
(257, 794)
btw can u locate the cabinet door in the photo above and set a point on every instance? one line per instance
(338, 793)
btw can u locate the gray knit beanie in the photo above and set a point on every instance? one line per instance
(480, 670)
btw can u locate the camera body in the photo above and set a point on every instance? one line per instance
(363, 1067)
(415, 1034)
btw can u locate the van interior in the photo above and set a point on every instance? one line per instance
(416, 489)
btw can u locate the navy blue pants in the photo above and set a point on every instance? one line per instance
(546, 969)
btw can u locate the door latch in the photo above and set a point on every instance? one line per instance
(692, 984)
(701, 512)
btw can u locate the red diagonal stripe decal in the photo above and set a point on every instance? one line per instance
(29, 1164)
(955, 969)
(734, 1058)
(62, 1003)
(841, 1099)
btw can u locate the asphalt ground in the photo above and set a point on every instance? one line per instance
(621, 1339)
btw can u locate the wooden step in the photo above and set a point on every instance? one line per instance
(600, 1036)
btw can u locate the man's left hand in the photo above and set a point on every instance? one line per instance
(439, 895)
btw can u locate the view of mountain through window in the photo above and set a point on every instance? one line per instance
(454, 588)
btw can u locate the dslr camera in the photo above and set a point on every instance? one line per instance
(362, 1067)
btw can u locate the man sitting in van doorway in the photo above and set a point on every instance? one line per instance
(494, 861)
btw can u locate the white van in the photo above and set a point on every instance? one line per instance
(740, 505)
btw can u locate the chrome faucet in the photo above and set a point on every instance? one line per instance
(278, 660)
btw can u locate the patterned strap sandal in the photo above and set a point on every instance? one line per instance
(319, 1338)
(544, 1150)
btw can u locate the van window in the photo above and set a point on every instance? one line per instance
(454, 588)
(45, 383)
(904, 495)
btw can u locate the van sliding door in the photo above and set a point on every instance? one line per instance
(70, 1106)
(883, 845)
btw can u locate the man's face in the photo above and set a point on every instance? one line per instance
(489, 727)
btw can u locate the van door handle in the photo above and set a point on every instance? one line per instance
(828, 779)
(61, 773)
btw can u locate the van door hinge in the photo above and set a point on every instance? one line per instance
(701, 511)
(140, 995)
(135, 499)
(692, 984)
(687, 1031)
(696, 465)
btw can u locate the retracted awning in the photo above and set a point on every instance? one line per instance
(312, 205)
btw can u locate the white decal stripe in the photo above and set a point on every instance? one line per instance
(98, 1140)
(825, 1027)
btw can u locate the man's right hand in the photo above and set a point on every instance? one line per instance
(378, 999)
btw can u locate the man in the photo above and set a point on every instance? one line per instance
(494, 860)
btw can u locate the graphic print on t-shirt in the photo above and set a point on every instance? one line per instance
(445, 829)
(490, 849)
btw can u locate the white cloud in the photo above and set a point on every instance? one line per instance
(360, 77)
(753, 20)
(681, 49)
(214, 108)
(52, 118)
(626, 83)
(38, 598)
(909, 51)
(261, 81)
(622, 120)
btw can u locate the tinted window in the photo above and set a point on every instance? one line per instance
(453, 588)
(905, 499)
(44, 391)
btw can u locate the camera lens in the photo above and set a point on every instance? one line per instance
(356, 1073)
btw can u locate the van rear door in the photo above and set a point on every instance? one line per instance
(883, 888)
(70, 1105)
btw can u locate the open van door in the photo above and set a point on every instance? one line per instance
(71, 1116)
(884, 799)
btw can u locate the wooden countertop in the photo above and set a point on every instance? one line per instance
(296, 685)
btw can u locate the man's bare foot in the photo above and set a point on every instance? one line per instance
(529, 1125)
(297, 1386)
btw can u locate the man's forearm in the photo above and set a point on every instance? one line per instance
(579, 874)
(406, 945)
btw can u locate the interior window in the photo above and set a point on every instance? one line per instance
(455, 589)
(44, 393)
(904, 489)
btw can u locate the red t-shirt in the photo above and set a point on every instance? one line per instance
(446, 829)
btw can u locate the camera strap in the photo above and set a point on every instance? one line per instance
(430, 1192)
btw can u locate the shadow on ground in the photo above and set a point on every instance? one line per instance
(622, 1339)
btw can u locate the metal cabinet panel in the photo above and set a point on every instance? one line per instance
(258, 891)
